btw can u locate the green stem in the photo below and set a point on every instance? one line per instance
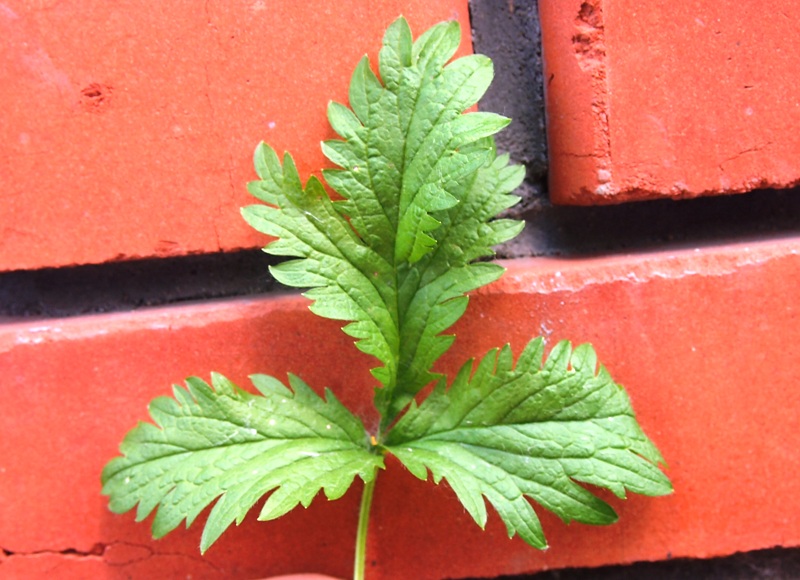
(361, 535)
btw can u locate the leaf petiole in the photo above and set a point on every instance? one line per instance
(359, 567)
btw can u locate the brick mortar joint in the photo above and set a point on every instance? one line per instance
(524, 275)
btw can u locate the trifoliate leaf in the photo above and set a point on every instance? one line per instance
(531, 431)
(224, 442)
(420, 183)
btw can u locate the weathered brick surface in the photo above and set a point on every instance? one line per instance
(128, 128)
(669, 99)
(700, 338)
(128, 131)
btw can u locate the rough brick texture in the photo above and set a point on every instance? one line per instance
(127, 133)
(128, 129)
(699, 338)
(669, 99)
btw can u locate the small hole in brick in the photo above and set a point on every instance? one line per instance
(582, 42)
(94, 96)
(590, 14)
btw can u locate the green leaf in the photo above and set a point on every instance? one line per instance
(420, 184)
(508, 433)
(226, 443)
(431, 296)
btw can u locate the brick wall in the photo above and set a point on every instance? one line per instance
(124, 151)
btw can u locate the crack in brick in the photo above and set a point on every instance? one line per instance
(104, 552)
(96, 551)
(754, 149)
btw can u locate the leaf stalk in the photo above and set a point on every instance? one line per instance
(359, 567)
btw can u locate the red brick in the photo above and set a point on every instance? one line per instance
(669, 99)
(128, 129)
(701, 339)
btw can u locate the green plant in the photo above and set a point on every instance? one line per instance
(421, 186)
